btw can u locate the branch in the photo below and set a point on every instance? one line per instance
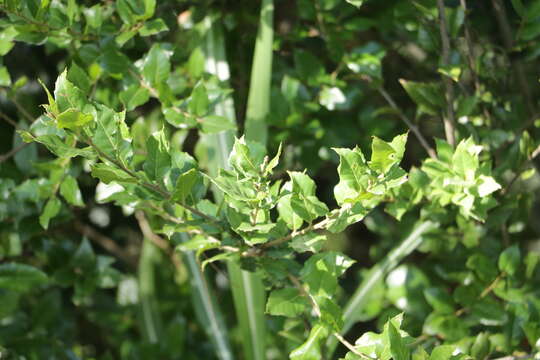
(150, 186)
(258, 250)
(105, 242)
(155, 239)
(12, 152)
(449, 119)
(408, 122)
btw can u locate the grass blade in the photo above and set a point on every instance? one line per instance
(247, 288)
(151, 325)
(261, 73)
(376, 274)
(206, 308)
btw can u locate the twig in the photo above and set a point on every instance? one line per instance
(449, 119)
(485, 292)
(306, 294)
(350, 346)
(258, 250)
(9, 120)
(408, 122)
(105, 242)
(155, 239)
(150, 186)
(12, 152)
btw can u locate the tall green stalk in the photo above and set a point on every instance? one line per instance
(362, 294)
(150, 320)
(206, 308)
(258, 105)
(247, 288)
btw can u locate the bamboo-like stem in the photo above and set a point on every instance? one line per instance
(449, 118)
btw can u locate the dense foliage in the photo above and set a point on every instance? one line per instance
(320, 179)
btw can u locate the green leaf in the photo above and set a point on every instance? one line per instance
(156, 65)
(481, 346)
(21, 277)
(199, 244)
(134, 96)
(107, 173)
(68, 96)
(52, 107)
(286, 302)
(309, 242)
(311, 349)
(213, 124)
(158, 160)
(440, 300)
(79, 77)
(5, 78)
(73, 119)
(51, 209)
(152, 27)
(57, 146)
(6, 40)
(353, 175)
(428, 96)
(114, 62)
(304, 203)
(241, 159)
(384, 155)
(108, 133)
(510, 260)
(442, 352)
(184, 185)
(320, 272)
(178, 118)
(69, 189)
(356, 3)
(398, 347)
(199, 102)
(286, 213)
(196, 63)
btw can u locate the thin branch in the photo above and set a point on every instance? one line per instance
(12, 152)
(152, 187)
(105, 242)
(408, 122)
(449, 119)
(485, 292)
(258, 250)
(155, 239)
(350, 346)
(9, 120)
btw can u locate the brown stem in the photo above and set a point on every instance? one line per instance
(449, 119)
(156, 240)
(408, 122)
(150, 186)
(105, 242)
(12, 152)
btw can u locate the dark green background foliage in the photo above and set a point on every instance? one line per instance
(112, 209)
